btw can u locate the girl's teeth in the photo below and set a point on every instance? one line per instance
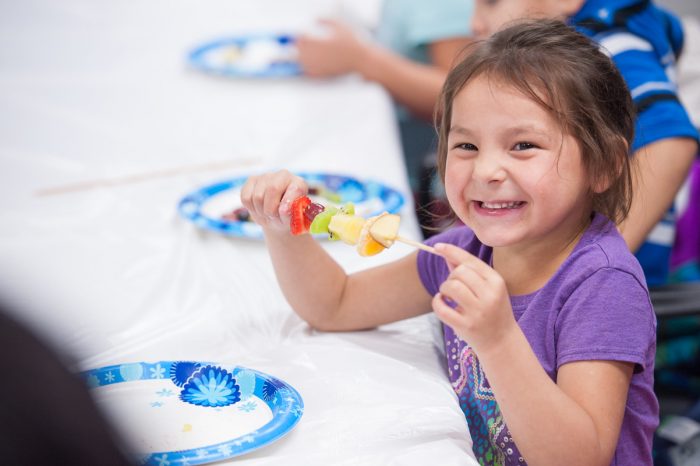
(500, 205)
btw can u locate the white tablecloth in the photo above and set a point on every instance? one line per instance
(97, 96)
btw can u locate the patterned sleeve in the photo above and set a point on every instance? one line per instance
(607, 317)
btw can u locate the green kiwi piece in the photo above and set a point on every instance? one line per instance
(320, 223)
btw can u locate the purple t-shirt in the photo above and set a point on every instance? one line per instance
(595, 307)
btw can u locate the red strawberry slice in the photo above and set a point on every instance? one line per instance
(299, 223)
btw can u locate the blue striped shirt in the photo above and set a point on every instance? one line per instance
(645, 42)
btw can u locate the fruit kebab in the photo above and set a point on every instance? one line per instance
(371, 235)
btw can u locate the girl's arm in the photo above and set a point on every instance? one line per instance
(314, 284)
(575, 420)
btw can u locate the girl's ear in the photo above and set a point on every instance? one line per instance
(604, 181)
(602, 184)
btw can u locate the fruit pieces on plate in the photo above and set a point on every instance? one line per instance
(371, 236)
(240, 214)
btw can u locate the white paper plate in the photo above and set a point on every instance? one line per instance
(187, 412)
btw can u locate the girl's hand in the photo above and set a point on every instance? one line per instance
(269, 197)
(474, 300)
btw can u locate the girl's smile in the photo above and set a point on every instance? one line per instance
(498, 209)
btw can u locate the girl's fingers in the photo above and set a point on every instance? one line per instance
(259, 191)
(296, 188)
(268, 197)
(246, 193)
(455, 256)
(470, 277)
(274, 190)
(250, 194)
(446, 312)
(462, 293)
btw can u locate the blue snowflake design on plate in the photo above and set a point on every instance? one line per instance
(248, 406)
(381, 198)
(210, 386)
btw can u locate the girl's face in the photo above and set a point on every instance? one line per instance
(491, 15)
(511, 174)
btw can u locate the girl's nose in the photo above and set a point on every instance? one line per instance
(489, 169)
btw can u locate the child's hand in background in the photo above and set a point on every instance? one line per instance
(336, 52)
(268, 198)
(474, 300)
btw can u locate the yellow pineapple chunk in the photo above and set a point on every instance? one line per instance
(346, 227)
(385, 229)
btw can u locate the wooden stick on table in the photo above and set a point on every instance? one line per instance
(140, 177)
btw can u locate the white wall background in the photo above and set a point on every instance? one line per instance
(682, 7)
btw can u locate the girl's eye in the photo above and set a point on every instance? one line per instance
(465, 146)
(524, 146)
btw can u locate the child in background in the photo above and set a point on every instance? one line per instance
(549, 331)
(414, 48)
(644, 41)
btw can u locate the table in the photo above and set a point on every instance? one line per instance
(105, 128)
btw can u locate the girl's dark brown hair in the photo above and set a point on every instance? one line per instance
(566, 73)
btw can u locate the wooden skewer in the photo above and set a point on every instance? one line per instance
(418, 245)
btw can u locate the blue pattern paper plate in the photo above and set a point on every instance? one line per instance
(207, 206)
(188, 412)
(252, 56)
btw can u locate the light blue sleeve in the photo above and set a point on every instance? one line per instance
(408, 26)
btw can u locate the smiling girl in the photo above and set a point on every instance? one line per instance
(549, 331)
